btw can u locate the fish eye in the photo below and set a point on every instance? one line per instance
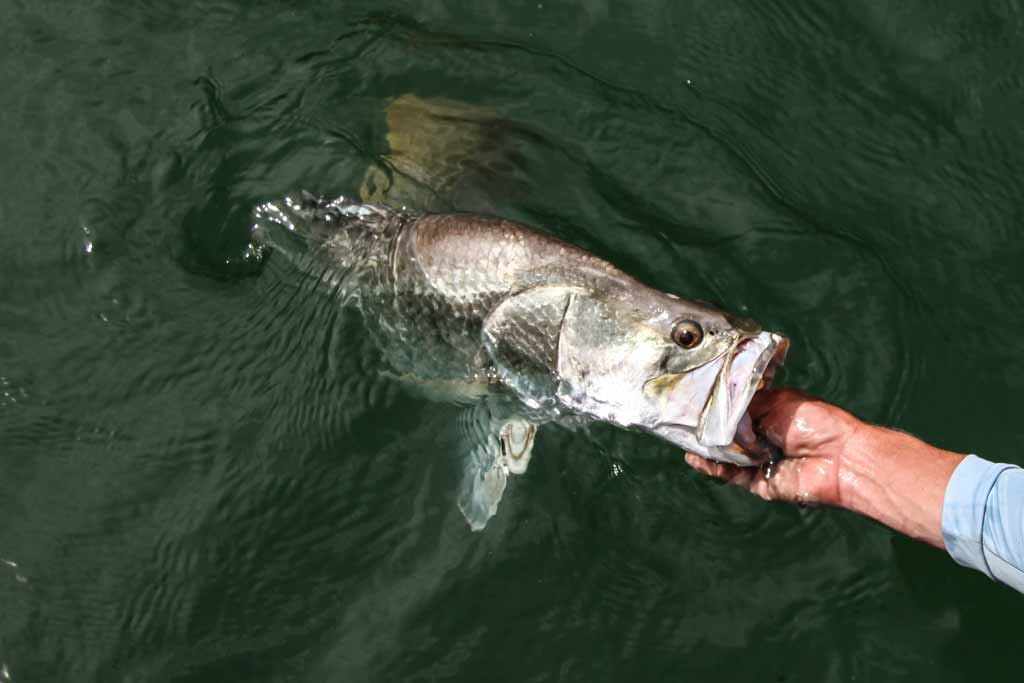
(687, 334)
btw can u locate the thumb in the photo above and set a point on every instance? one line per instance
(773, 411)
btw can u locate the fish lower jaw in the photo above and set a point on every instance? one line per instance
(734, 455)
(685, 437)
(746, 449)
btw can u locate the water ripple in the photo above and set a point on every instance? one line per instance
(206, 477)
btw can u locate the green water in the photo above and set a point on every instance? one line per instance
(203, 478)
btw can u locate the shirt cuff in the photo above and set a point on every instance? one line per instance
(963, 510)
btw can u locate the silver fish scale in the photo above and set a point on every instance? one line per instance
(426, 283)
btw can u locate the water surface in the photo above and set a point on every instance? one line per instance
(203, 477)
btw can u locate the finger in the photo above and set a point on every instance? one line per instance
(705, 466)
(718, 470)
(798, 481)
(742, 476)
(774, 413)
(783, 484)
(731, 474)
(771, 400)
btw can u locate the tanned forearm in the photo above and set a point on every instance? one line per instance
(897, 480)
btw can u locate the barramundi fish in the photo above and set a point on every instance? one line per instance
(543, 328)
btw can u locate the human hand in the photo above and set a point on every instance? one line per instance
(813, 436)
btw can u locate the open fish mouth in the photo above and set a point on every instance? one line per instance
(750, 367)
(706, 409)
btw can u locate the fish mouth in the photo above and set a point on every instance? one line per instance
(706, 408)
(751, 366)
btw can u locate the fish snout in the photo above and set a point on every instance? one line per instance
(749, 368)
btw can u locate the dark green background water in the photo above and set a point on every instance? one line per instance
(202, 478)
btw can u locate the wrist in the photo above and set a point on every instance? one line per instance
(896, 479)
(857, 471)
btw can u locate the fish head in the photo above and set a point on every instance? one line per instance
(682, 370)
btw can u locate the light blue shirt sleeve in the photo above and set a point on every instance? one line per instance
(983, 519)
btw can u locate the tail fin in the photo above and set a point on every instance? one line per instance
(435, 147)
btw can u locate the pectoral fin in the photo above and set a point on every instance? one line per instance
(496, 448)
(482, 486)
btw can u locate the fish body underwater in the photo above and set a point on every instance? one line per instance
(506, 314)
